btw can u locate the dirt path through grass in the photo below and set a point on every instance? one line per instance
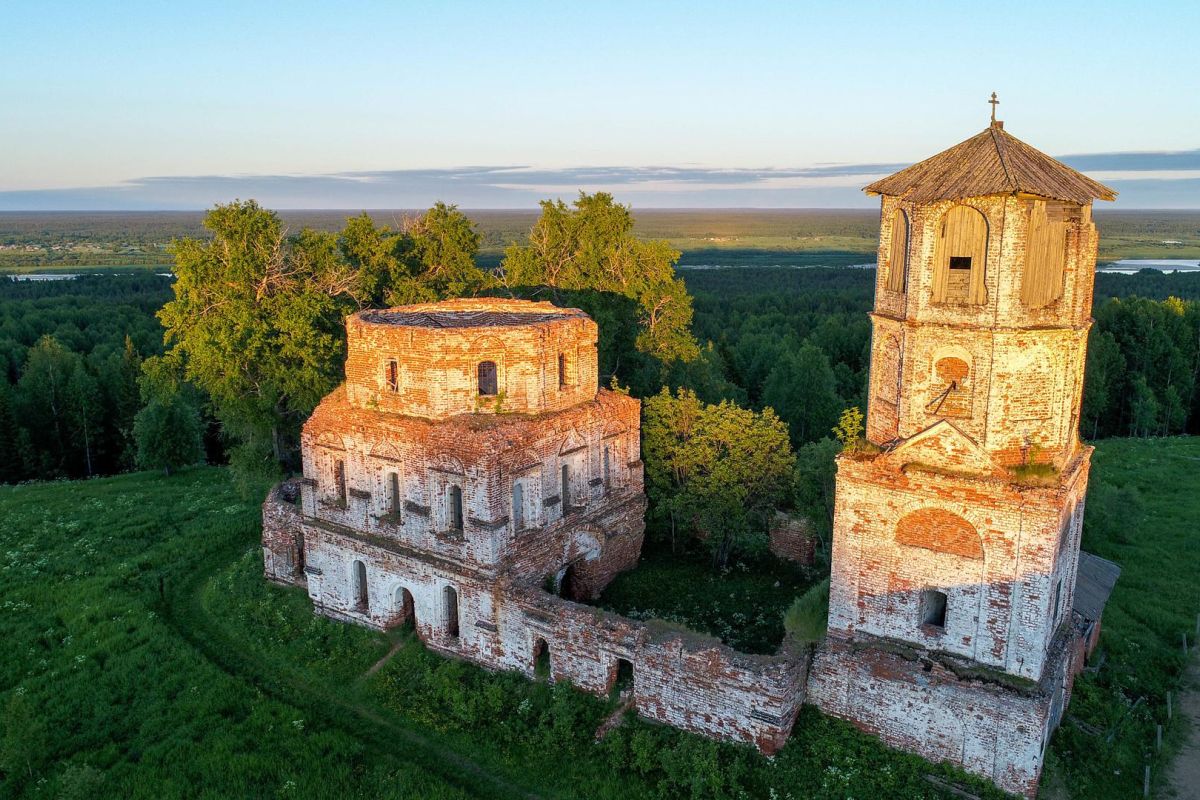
(1184, 778)
(341, 709)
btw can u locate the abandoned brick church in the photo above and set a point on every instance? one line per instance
(470, 478)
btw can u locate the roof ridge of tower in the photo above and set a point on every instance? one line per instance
(991, 162)
(998, 142)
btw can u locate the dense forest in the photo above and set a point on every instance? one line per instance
(796, 340)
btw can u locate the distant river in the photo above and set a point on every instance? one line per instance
(1128, 266)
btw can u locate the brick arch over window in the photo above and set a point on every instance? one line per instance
(960, 257)
(939, 530)
(441, 462)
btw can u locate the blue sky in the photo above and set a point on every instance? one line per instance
(180, 105)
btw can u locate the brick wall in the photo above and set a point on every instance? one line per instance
(792, 538)
(922, 703)
(437, 349)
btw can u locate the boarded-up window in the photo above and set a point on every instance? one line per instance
(885, 371)
(898, 256)
(952, 387)
(960, 257)
(518, 506)
(1045, 254)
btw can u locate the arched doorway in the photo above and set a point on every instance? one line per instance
(620, 677)
(568, 585)
(541, 660)
(404, 609)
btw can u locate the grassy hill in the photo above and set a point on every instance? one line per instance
(145, 657)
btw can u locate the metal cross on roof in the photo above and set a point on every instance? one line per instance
(994, 103)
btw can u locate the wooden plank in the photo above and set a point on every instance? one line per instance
(898, 257)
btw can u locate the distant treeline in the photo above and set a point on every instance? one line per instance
(793, 339)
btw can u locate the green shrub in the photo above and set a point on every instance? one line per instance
(807, 618)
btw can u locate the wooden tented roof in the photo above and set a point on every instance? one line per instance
(991, 162)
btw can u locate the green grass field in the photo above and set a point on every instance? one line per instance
(145, 656)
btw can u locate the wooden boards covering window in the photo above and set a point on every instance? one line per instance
(898, 256)
(1045, 254)
(963, 237)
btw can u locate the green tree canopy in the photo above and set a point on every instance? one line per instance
(257, 318)
(803, 391)
(590, 246)
(714, 471)
(256, 323)
(169, 434)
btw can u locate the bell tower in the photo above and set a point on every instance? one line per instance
(956, 531)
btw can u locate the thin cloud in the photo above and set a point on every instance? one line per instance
(1145, 180)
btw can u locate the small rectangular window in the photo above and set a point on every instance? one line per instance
(933, 608)
(393, 375)
(960, 262)
(562, 370)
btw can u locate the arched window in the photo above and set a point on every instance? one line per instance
(454, 508)
(518, 506)
(607, 469)
(486, 373)
(451, 612)
(359, 586)
(933, 608)
(897, 276)
(960, 257)
(1045, 254)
